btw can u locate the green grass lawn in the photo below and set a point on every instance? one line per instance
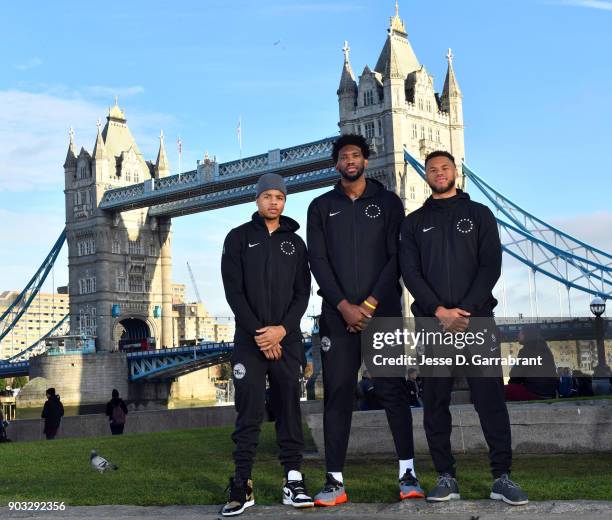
(192, 467)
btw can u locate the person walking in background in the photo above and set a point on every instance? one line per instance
(117, 411)
(366, 395)
(52, 413)
(414, 388)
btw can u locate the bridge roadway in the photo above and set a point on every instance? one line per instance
(304, 167)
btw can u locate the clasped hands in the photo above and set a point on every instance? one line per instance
(268, 340)
(453, 320)
(357, 317)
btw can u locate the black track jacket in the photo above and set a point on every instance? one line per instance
(352, 247)
(266, 278)
(450, 255)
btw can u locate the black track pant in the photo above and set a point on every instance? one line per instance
(341, 359)
(249, 370)
(489, 402)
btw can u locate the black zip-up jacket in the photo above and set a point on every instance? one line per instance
(352, 247)
(266, 278)
(450, 255)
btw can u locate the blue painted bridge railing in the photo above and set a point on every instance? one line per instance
(173, 362)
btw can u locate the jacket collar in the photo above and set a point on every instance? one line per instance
(446, 203)
(287, 224)
(373, 187)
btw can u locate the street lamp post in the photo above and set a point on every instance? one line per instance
(598, 307)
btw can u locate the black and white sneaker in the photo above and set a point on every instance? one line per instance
(445, 489)
(240, 497)
(295, 494)
(508, 491)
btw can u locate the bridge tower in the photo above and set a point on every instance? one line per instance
(120, 265)
(395, 105)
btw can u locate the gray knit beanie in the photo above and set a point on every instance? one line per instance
(270, 181)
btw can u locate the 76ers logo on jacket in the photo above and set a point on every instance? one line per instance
(465, 225)
(287, 247)
(239, 371)
(373, 211)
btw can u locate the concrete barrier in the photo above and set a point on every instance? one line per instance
(570, 427)
(138, 422)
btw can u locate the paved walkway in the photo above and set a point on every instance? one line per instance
(413, 510)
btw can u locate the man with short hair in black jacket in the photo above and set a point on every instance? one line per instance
(352, 240)
(267, 285)
(450, 258)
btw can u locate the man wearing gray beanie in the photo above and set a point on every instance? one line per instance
(267, 285)
(270, 181)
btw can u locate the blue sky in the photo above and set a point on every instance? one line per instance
(535, 77)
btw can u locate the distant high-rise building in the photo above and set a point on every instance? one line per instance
(45, 311)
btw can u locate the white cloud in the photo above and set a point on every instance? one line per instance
(30, 64)
(602, 5)
(592, 228)
(34, 132)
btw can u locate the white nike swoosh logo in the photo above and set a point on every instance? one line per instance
(253, 245)
(333, 214)
(428, 229)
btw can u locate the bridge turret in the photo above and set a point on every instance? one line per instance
(120, 265)
(347, 90)
(162, 165)
(100, 156)
(451, 102)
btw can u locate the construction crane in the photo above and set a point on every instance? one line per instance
(195, 285)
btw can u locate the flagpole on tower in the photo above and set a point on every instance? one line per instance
(179, 144)
(239, 132)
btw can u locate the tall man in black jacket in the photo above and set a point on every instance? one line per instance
(267, 285)
(352, 240)
(450, 258)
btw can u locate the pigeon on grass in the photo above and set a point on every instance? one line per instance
(100, 463)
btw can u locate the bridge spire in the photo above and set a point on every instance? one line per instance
(162, 166)
(348, 85)
(70, 161)
(451, 85)
(115, 113)
(99, 151)
(397, 59)
(396, 23)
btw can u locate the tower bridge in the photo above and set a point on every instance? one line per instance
(119, 206)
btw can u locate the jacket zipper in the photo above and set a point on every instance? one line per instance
(268, 312)
(448, 227)
(355, 252)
